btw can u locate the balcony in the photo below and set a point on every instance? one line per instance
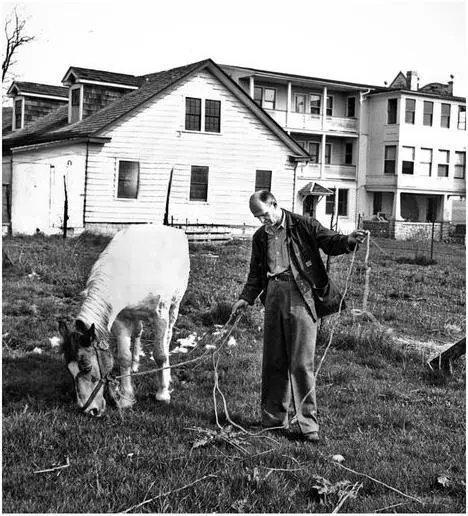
(293, 121)
(312, 171)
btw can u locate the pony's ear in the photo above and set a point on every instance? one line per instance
(92, 332)
(81, 326)
(63, 329)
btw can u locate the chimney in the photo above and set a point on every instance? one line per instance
(450, 86)
(412, 80)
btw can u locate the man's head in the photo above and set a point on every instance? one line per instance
(264, 207)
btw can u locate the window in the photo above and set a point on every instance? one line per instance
(75, 104)
(265, 97)
(315, 102)
(192, 114)
(390, 159)
(199, 183)
(314, 152)
(348, 158)
(18, 113)
(129, 179)
(428, 110)
(300, 103)
(329, 106)
(443, 165)
(461, 117)
(212, 116)
(343, 203)
(263, 180)
(258, 95)
(426, 162)
(445, 115)
(407, 163)
(351, 107)
(392, 111)
(327, 153)
(330, 204)
(460, 165)
(377, 203)
(410, 112)
(269, 98)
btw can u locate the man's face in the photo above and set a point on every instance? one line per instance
(267, 214)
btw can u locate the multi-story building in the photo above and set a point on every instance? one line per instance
(392, 153)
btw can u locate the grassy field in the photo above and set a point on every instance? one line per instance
(400, 428)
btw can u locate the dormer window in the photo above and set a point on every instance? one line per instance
(18, 116)
(75, 113)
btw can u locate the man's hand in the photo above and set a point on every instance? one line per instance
(356, 237)
(241, 304)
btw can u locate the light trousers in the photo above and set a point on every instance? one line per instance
(289, 340)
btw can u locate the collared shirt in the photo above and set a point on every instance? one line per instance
(277, 254)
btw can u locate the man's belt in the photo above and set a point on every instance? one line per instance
(282, 276)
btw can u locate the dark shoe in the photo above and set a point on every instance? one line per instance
(311, 437)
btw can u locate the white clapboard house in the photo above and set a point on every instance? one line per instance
(120, 143)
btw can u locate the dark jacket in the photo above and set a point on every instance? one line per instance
(304, 238)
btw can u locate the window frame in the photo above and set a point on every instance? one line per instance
(411, 112)
(428, 103)
(329, 108)
(427, 162)
(460, 166)
(319, 97)
(317, 154)
(353, 115)
(120, 180)
(348, 145)
(15, 114)
(71, 119)
(193, 115)
(407, 166)
(445, 117)
(212, 117)
(392, 111)
(387, 160)
(445, 164)
(193, 183)
(342, 201)
(296, 96)
(461, 120)
(260, 185)
(262, 96)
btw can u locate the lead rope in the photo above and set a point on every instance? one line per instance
(335, 325)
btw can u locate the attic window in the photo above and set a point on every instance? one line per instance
(18, 114)
(75, 104)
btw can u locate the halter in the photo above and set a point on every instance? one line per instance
(105, 379)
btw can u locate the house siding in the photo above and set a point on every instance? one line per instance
(155, 136)
(97, 97)
(37, 189)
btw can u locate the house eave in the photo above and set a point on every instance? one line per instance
(99, 140)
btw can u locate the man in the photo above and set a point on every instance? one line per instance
(287, 271)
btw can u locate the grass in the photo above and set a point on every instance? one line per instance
(379, 407)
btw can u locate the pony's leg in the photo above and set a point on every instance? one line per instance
(137, 347)
(161, 352)
(123, 333)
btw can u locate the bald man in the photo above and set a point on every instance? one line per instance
(286, 270)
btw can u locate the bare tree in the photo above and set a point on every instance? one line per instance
(15, 36)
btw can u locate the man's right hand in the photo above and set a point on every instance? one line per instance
(241, 304)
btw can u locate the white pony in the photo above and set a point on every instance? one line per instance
(142, 273)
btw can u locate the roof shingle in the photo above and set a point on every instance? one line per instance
(41, 89)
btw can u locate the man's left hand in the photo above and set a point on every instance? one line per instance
(356, 237)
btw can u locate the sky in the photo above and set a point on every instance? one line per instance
(363, 41)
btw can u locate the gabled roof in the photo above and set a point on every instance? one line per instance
(313, 188)
(154, 85)
(35, 88)
(399, 81)
(88, 74)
